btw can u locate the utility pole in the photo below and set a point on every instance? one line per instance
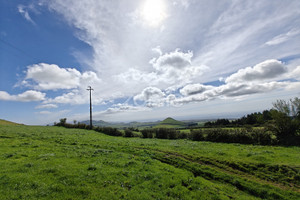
(90, 89)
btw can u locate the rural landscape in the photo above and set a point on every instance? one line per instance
(149, 99)
(244, 158)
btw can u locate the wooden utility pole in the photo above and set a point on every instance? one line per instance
(90, 89)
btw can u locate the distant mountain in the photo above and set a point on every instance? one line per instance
(171, 121)
(98, 123)
(102, 123)
(166, 123)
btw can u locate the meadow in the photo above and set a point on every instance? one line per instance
(59, 163)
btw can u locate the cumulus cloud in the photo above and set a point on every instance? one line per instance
(263, 71)
(176, 66)
(45, 76)
(26, 96)
(52, 77)
(229, 90)
(192, 89)
(247, 81)
(240, 89)
(172, 69)
(174, 59)
(153, 97)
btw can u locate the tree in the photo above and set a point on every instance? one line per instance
(287, 120)
(290, 108)
(63, 121)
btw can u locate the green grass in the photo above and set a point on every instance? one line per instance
(59, 163)
(4, 122)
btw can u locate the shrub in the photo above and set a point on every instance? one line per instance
(196, 135)
(148, 133)
(218, 135)
(182, 135)
(128, 133)
(111, 131)
(166, 133)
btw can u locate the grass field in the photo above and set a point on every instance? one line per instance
(60, 163)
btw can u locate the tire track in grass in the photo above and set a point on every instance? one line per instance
(239, 179)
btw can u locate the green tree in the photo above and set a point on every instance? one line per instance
(62, 122)
(287, 120)
(290, 108)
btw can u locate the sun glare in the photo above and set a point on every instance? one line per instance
(153, 12)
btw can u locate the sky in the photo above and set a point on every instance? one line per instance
(146, 59)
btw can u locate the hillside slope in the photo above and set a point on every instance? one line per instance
(59, 163)
(5, 122)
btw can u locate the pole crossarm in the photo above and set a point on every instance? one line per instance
(90, 89)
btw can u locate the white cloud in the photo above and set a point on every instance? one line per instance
(229, 90)
(26, 96)
(152, 96)
(45, 112)
(52, 77)
(295, 73)
(172, 69)
(268, 69)
(44, 76)
(176, 67)
(240, 89)
(24, 12)
(247, 81)
(118, 108)
(5, 96)
(224, 36)
(47, 106)
(174, 59)
(192, 89)
(74, 97)
(283, 37)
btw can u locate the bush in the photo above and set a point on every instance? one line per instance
(128, 133)
(197, 135)
(218, 135)
(182, 135)
(111, 131)
(166, 133)
(148, 133)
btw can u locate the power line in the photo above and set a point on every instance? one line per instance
(17, 48)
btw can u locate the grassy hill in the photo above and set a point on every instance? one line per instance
(59, 163)
(170, 123)
(5, 122)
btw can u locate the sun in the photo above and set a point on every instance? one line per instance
(153, 12)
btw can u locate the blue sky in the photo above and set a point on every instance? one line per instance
(146, 59)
